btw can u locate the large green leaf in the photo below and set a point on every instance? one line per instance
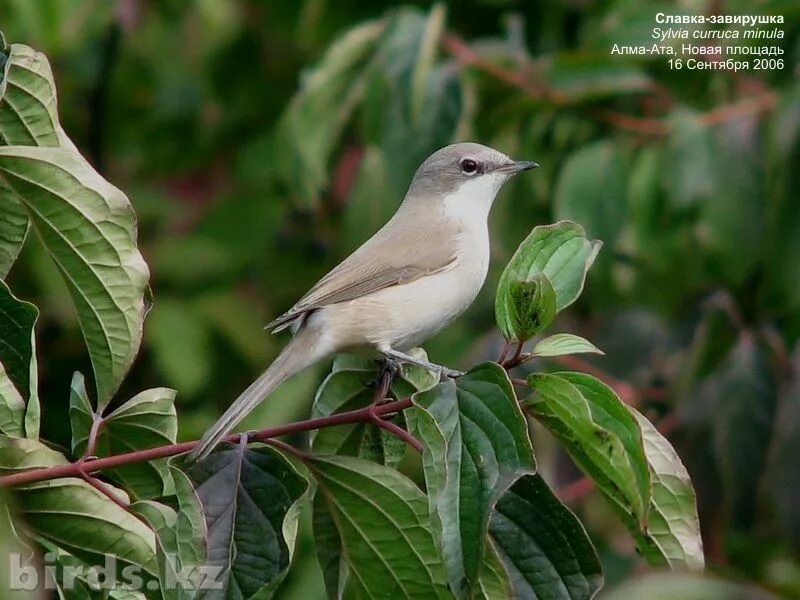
(598, 432)
(329, 93)
(15, 549)
(383, 526)
(544, 546)
(74, 515)
(352, 385)
(145, 421)
(89, 229)
(249, 498)
(562, 252)
(672, 536)
(180, 540)
(19, 400)
(480, 449)
(592, 190)
(14, 226)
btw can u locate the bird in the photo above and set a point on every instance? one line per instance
(412, 278)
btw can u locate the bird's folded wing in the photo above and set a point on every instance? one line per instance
(362, 274)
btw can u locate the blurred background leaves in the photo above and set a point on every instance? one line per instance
(260, 142)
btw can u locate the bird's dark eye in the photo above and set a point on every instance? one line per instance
(468, 165)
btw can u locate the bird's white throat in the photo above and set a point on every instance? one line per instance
(471, 202)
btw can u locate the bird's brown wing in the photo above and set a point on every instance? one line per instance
(361, 274)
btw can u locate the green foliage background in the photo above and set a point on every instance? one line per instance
(252, 173)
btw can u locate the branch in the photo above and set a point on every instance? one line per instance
(92, 465)
(756, 104)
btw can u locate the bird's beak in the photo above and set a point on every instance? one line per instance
(516, 166)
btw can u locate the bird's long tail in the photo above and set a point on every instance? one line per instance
(302, 351)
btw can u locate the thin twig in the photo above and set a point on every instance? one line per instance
(91, 465)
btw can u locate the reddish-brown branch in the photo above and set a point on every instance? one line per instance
(362, 415)
(762, 102)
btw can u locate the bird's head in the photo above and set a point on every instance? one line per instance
(465, 177)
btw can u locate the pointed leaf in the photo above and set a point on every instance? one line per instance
(74, 515)
(247, 495)
(562, 252)
(382, 521)
(543, 545)
(88, 227)
(478, 449)
(28, 109)
(19, 401)
(598, 432)
(564, 343)
(672, 536)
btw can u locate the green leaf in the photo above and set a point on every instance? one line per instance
(493, 579)
(145, 421)
(15, 548)
(480, 449)
(382, 522)
(74, 515)
(592, 190)
(309, 130)
(248, 497)
(19, 400)
(598, 432)
(672, 536)
(543, 545)
(564, 343)
(668, 586)
(404, 76)
(180, 539)
(89, 229)
(351, 385)
(531, 306)
(13, 228)
(562, 252)
(28, 108)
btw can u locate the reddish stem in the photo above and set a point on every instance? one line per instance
(361, 415)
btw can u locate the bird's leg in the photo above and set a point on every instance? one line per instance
(388, 372)
(407, 358)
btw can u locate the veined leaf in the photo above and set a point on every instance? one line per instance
(562, 252)
(19, 400)
(564, 343)
(248, 497)
(382, 522)
(672, 536)
(145, 421)
(598, 432)
(478, 448)
(74, 515)
(180, 540)
(28, 106)
(544, 546)
(493, 580)
(88, 227)
(14, 226)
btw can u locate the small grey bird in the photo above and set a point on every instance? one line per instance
(412, 278)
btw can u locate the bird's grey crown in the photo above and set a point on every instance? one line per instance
(441, 173)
